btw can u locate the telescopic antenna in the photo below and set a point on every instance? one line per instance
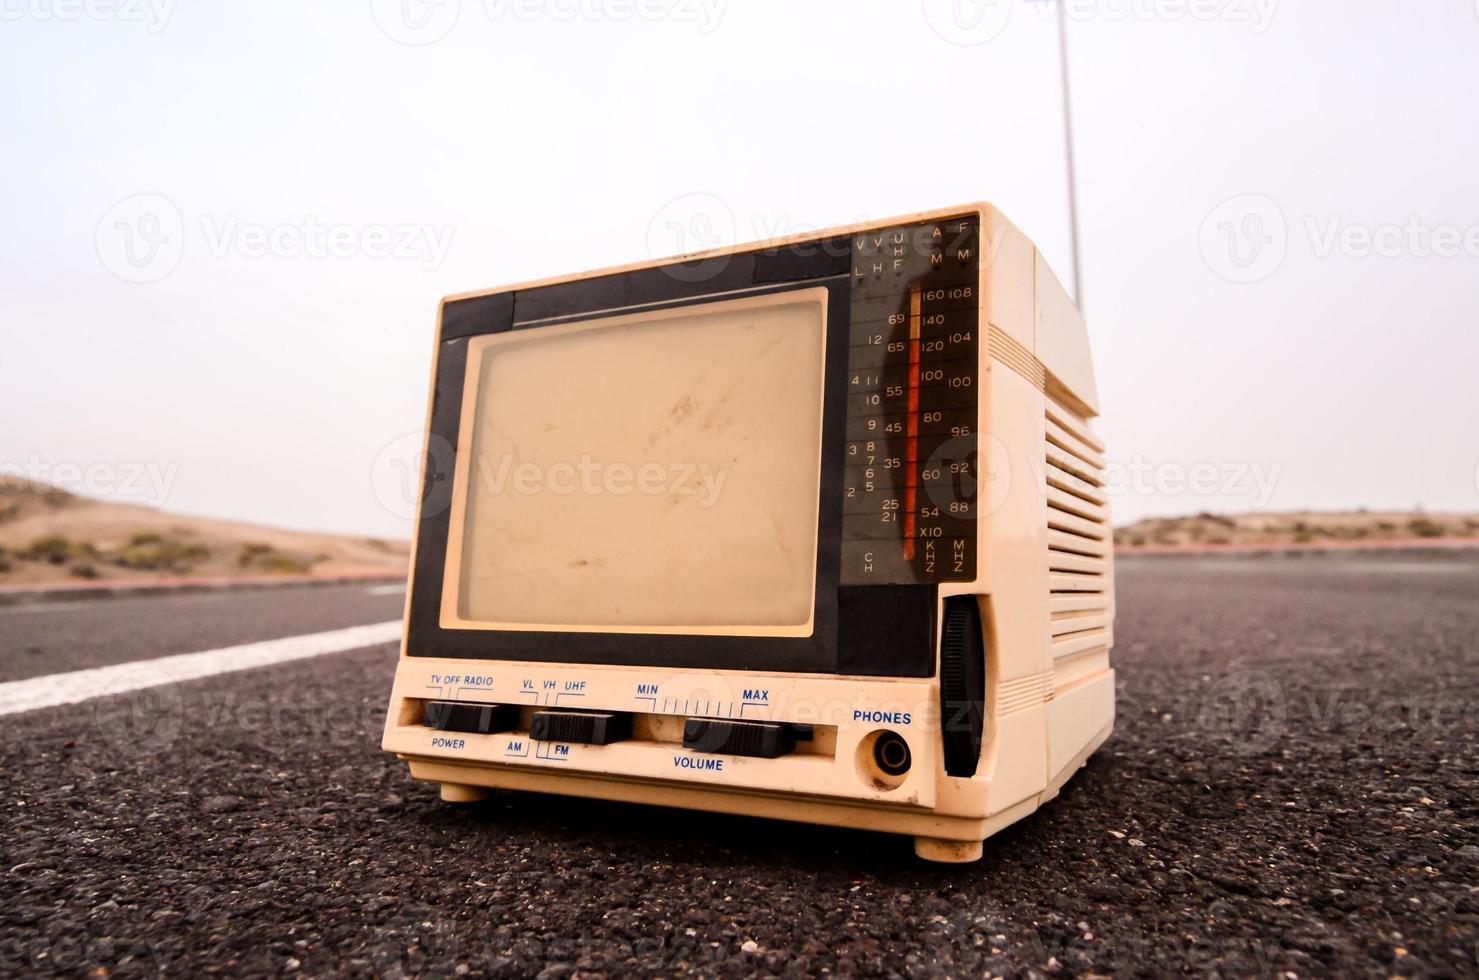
(1078, 281)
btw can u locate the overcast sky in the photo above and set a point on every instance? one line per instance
(229, 223)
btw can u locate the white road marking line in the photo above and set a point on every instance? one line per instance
(396, 589)
(82, 685)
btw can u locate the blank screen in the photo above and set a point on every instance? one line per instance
(655, 472)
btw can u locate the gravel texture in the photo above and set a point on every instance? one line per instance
(1292, 788)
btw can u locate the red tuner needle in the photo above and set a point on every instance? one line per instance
(911, 452)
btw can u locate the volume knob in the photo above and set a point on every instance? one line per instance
(962, 684)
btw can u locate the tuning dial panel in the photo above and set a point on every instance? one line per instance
(910, 487)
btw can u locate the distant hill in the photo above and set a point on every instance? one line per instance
(48, 535)
(1297, 529)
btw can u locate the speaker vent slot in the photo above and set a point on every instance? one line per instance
(1080, 542)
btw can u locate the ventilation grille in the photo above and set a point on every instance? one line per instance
(1005, 348)
(1080, 541)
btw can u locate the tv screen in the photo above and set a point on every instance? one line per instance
(645, 473)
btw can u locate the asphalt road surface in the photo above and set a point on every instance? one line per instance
(1292, 788)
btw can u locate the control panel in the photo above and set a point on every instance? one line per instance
(910, 486)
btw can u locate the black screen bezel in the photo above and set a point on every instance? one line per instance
(871, 630)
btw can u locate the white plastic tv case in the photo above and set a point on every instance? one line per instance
(814, 529)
